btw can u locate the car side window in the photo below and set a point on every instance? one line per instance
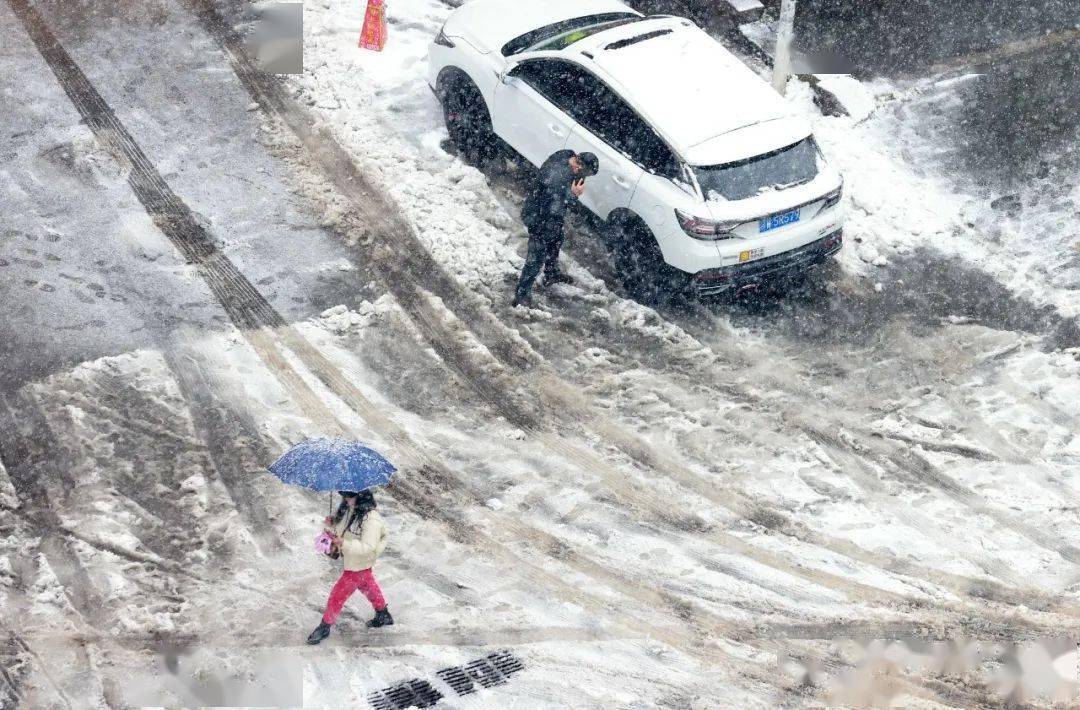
(589, 101)
(630, 134)
(650, 151)
(535, 74)
(557, 81)
(601, 111)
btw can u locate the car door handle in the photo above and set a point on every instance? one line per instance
(620, 181)
(557, 130)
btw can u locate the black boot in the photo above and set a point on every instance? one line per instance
(321, 631)
(382, 618)
(526, 301)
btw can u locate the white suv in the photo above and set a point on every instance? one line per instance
(706, 178)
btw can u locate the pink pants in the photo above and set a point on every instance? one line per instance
(348, 583)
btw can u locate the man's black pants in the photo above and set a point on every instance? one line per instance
(544, 245)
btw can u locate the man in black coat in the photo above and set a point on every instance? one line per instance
(561, 179)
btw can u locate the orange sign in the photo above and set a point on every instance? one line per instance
(373, 36)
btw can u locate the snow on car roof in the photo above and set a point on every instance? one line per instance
(689, 86)
(494, 22)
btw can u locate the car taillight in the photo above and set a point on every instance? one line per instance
(833, 198)
(442, 39)
(706, 229)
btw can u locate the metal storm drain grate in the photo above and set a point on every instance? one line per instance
(410, 694)
(490, 671)
(457, 679)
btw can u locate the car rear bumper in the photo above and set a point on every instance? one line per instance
(743, 277)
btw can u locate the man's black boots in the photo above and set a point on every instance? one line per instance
(321, 631)
(382, 618)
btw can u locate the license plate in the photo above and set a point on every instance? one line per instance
(777, 220)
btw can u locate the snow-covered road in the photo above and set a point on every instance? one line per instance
(646, 507)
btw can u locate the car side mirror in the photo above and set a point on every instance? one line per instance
(504, 75)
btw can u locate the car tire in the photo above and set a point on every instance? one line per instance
(468, 121)
(640, 264)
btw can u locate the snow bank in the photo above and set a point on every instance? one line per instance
(856, 97)
(895, 205)
(378, 105)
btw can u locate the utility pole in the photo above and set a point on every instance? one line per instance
(785, 33)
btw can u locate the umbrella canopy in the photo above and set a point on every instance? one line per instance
(333, 465)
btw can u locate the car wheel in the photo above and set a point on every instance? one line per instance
(640, 264)
(468, 121)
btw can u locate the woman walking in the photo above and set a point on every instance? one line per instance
(359, 534)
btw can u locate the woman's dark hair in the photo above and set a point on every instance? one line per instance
(365, 502)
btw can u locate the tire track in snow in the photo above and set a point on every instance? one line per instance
(141, 461)
(825, 416)
(646, 630)
(427, 488)
(573, 413)
(907, 463)
(404, 256)
(17, 641)
(468, 361)
(27, 454)
(10, 694)
(29, 445)
(427, 497)
(474, 364)
(813, 415)
(236, 449)
(961, 620)
(814, 425)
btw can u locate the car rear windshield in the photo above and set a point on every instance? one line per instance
(779, 169)
(566, 32)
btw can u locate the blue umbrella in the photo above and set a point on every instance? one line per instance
(333, 465)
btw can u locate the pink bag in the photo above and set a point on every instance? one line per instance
(323, 543)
